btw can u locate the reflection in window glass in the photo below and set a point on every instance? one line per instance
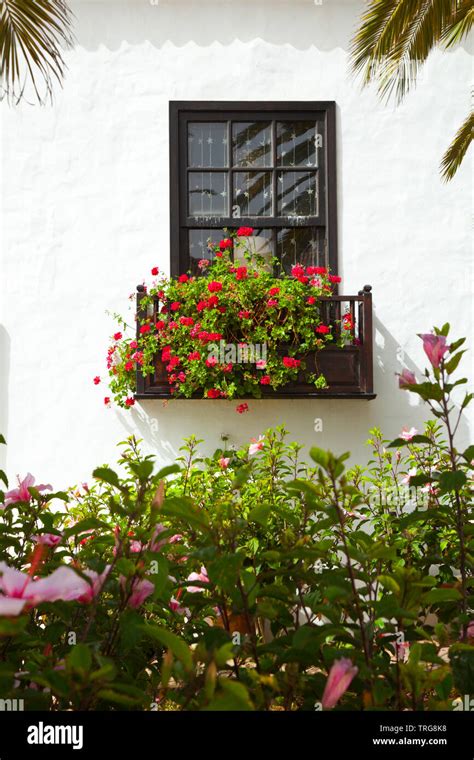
(297, 194)
(207, 145)
(207, 194)
(252, 144)
(253, 193)
(199, 246)
(303, 245)
(296, 144)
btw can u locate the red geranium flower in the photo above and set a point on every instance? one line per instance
(107, 401)
(290, 362)
(213, 393)
(183, 278)
(211, 361)
(245, 231)
(272, 302)
(241, 273)
(187, 321)
(133, 344)
(244, 314)
(194, 356)
(118, 336)
(175, 306)
(128, 366)
(145, 329)
(155, 271)
(265, 380)
(227, 367)
(96, 380)
(225, 243)
(311, 300)
(297, 270)
(334, 278)
(241, 408)
(214, 286)
(129, 401)
(273, 291)
(322, 329)
(159, 325)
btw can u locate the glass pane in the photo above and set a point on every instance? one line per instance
(207, 194)
(297, 194)
(198, 246)
(207, 145)
(296, 143)
(301, 245)
(252, 143)
(253, 193)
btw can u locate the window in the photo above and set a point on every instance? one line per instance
(270, 166)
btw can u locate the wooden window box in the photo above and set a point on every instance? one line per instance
(348, 370)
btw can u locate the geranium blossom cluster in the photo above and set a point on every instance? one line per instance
(234, 301)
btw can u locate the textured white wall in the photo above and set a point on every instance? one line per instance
(84, 215)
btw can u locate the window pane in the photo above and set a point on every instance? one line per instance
(253, 193)
(301, 245)
(297, 194)
(198, 246)
(207, 194)
(207, 145)
(296, 143)
(252, 143)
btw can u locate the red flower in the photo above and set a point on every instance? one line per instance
(322, 329)
(241, 408)
(155, 271)
(133, 344)
(272, 302)
(118, 336)
(212, 301)
(304, 280)
(175, 306)
(183, 278)
(194, 356)
(316, 270)
(145, 329)
(107, 401)
(227, 367)
(166, 354)
(244, 314)
(213, 393)
(218, 255)
(244, 231)
(241, 273)
(173, 362)
(129, 401)
(201, 305)
(273, 291)
(334, 278)
(187, 321)
(211, 361)
(96, 380)
(160, 324)
(297, 270)
(128, 366)
(290, 362)
(214, 286)
(311, 300)
(225, 243)
(265, 380)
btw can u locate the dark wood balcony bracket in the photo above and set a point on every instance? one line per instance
(348, 370)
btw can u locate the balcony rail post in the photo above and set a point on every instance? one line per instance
(367, 381)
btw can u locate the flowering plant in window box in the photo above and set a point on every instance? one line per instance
(233, 331)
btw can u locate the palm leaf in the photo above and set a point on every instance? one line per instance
(453, 157)
(33, 34)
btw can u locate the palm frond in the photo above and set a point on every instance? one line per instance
(395, 38)
(461, 24)
(453, 157)
(33, 34)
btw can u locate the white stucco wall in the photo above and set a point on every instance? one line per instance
(84, 216)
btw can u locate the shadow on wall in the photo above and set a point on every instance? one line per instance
(4, 375)
(340, 425)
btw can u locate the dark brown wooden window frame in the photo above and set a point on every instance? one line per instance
(182, 112)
